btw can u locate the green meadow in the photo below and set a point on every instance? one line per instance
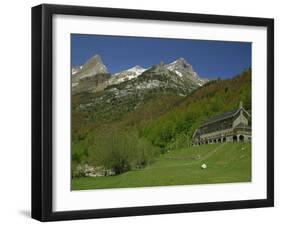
(226, 163)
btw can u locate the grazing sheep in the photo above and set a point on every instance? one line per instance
(204, 166)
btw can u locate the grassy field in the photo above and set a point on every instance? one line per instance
(226, 163)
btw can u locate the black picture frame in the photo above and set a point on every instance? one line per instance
(42, 106)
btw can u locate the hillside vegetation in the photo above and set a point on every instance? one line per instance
(214, 98)
(146, 125)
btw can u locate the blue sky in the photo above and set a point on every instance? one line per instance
(210, 59)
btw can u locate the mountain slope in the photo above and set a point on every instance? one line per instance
(164, 118)
(105, 97)
(211, 99)
(185, 71)
(113, 101)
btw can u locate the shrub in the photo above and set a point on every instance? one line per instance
(122, 152)
(181, 141)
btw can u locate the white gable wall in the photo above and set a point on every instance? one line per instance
(241, 119)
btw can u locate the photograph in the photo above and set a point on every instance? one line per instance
(144, 112)
(149, 111)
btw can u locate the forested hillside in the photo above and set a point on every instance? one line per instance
(130, 132)
(216, 97)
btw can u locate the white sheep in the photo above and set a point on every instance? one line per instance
(204, 166)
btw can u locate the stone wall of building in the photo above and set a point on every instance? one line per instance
(241, 119)
(235, 129)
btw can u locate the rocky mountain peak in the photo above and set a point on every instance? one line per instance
(184, 70)
(179, 74)
(95, 63)
(180, 64)
(92, 67)
(181, 60)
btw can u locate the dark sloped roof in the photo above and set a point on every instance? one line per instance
(220, 117)
(217, 118)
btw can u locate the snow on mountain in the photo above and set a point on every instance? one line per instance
(185, 71)
(93, 76)
(76, 69)
(137, 70)
(178, 73)
(126, 75)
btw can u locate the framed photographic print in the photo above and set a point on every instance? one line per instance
(145, 112)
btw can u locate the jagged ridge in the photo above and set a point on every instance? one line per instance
(180, 74)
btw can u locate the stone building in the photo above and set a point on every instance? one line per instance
(233, 126)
